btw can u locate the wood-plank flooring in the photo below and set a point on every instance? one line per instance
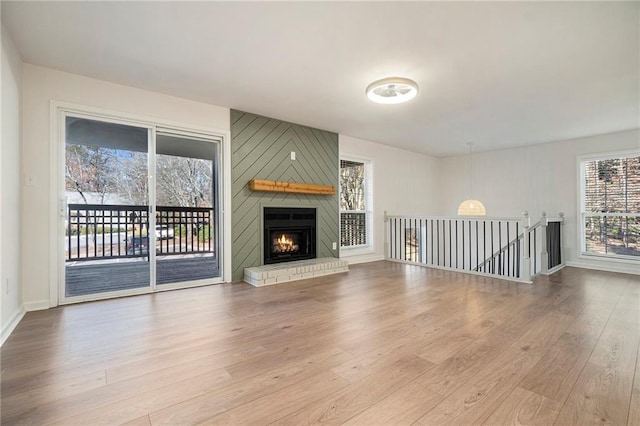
(385, 343)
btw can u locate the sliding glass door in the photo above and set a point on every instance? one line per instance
(186, 210)
(141, 208)
(107, 215)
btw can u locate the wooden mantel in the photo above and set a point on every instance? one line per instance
(290, 187)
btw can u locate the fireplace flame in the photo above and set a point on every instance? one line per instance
(285, 243)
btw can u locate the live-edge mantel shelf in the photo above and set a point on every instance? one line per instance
(291, 187)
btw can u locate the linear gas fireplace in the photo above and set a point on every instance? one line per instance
(289, 234)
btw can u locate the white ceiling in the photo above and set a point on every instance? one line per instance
(499, 74)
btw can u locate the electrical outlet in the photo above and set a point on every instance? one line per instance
(293, 155)
(335, 245)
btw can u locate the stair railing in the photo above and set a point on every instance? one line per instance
(508, 248)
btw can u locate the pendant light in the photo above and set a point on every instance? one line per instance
(471, 207)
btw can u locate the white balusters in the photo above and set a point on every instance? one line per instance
(495, 247)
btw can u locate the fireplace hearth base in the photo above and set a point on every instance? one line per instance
(259, 276)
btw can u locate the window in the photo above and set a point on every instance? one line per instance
(610, 205)
(355, 204)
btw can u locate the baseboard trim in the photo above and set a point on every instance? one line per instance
(13, 323)
(554, 270)
(464, 271)
(621, 268)
(37, 305)
(365, 258)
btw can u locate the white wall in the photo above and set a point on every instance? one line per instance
(10, 241)
(40, 87)
(403, 183)
(533, 178)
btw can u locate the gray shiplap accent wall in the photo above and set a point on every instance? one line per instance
(261, 149)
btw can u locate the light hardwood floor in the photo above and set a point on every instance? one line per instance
(385, 343)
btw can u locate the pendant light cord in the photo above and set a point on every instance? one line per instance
(470, 171)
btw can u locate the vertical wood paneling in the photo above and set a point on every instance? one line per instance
(261, 149)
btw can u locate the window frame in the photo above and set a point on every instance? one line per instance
(582, 214)
(368, 186)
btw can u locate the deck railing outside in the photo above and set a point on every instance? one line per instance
(353, 229)
(107, 231)
(508, 248)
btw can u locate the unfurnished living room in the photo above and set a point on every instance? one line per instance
(375, 213)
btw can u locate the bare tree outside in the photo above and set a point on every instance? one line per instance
(352, 189)
(184, 182)
(132, 183)
(612, 188)
(181, 181)
(90, 169)
(353, 219)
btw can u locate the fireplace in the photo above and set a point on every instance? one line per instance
(289, 234)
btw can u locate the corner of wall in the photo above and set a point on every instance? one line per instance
(10, 194)
(418, 193)
(9, 326)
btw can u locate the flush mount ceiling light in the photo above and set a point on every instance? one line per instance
(392, 90)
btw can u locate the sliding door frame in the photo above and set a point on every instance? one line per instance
(57, 205)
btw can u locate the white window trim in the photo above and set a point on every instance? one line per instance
(367, 248)
(581, 214)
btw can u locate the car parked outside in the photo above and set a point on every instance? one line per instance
(137, 246)
(164, 232)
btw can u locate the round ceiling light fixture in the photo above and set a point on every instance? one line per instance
(392, 90)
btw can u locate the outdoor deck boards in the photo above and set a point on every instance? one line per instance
(91, 279)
